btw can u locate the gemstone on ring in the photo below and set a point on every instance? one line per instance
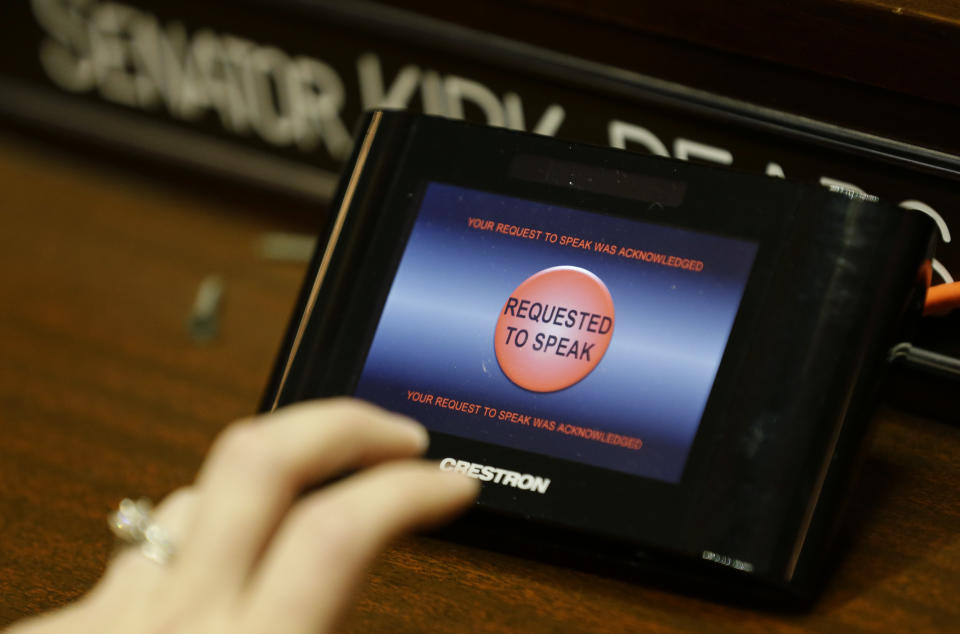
(133, 523)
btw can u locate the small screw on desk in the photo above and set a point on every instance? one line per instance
(204, 321)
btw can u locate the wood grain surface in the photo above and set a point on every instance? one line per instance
(103, 395)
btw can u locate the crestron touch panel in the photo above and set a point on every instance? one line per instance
(653, 366)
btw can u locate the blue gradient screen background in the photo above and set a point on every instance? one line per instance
(436, 332)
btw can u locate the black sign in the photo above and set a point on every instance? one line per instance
(269, 92)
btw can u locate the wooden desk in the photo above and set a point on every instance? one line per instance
(103, 395)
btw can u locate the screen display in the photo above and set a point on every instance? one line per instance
(573, 334)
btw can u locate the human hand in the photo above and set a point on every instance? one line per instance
(253, 554)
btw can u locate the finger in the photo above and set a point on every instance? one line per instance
(317, 557)
(174, 511)
(256, 468)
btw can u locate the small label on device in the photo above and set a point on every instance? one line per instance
(486, 473)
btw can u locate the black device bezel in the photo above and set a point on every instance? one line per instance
(327, 347)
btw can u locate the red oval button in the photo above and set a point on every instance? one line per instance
(554, 328)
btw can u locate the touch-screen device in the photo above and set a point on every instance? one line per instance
(652, 366)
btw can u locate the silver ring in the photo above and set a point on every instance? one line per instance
(133, 523)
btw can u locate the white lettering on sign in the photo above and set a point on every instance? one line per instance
(916, 205)
(620, 133)
(447, 96)
(685, 149)
(774, 170)
(131, 59)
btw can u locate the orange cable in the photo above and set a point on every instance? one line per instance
(942, 298)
